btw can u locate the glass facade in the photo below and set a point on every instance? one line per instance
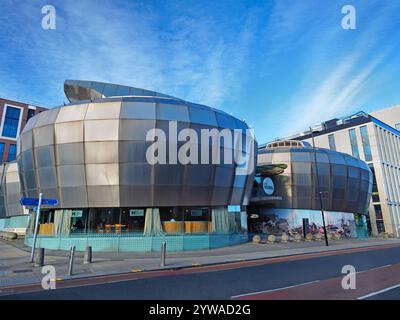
(277, 221)
(135, 221)
(353, 142)
(12, 152)
(11, 122)
(332, 143)
(365, 142)
(1, 150)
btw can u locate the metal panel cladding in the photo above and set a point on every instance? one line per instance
(345, 181)
(92, 153)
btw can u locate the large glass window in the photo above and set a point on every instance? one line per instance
(12, 152)
(332, 143)
(375, 193)
(11, 121)
(353, 141)
(132, 219)
(79, 219)
(105, 220)
(1, 151)
(365, 142)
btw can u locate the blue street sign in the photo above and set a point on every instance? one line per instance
(35, 202)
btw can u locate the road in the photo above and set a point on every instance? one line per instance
(308, 276)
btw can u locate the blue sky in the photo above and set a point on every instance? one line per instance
(280, 65)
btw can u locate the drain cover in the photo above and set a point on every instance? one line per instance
(22, 270)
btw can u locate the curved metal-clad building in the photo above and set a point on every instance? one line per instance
(345, 184)
(91, 156)
(10, 191)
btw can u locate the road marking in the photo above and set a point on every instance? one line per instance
(272, 290)
(378, 292)
(136, 270)
(376, 268)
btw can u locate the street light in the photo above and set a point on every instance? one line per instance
(319, 192)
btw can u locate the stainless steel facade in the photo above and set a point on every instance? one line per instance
(345, 180)
(93, 153)
(9, 191)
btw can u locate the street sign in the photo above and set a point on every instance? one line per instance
(35, 202)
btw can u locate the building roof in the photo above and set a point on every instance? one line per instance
(77, 90)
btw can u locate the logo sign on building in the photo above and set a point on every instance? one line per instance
(77, 213)
(268, 186)
(136, 212)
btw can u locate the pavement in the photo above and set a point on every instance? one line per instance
(15, 268)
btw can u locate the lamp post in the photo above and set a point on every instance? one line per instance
(319, 192)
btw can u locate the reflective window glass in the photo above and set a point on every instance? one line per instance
(353, 142)
(332, 143)
(365, 142)
(11, 122)
(1, 151)
(12, 152)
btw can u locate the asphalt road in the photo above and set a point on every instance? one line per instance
(316, 276)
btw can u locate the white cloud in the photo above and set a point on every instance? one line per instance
(188, 57)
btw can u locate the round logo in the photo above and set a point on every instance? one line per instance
(268, 186)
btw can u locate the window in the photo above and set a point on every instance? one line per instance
(354, 145)
(31, 113)
(397, 126)
(365, 142)
(12, 152)
(11, 122)
(1, 151)
(332, 143)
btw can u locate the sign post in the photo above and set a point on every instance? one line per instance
(37, 202)
(36, 227)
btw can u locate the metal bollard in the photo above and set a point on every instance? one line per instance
(87, 258)
(39, 258)
(163, 252)
(71, 260)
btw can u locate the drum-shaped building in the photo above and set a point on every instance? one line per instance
(131, 168)
(294, 182)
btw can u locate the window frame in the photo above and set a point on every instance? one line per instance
(3, 118)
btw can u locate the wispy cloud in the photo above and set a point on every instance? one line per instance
(187, 56)
(337, 89)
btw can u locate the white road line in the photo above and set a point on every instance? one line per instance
(13, 292)
(376, 268)
(272, 290)
(378, 292)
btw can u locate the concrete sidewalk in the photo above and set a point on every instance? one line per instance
(16, 270)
